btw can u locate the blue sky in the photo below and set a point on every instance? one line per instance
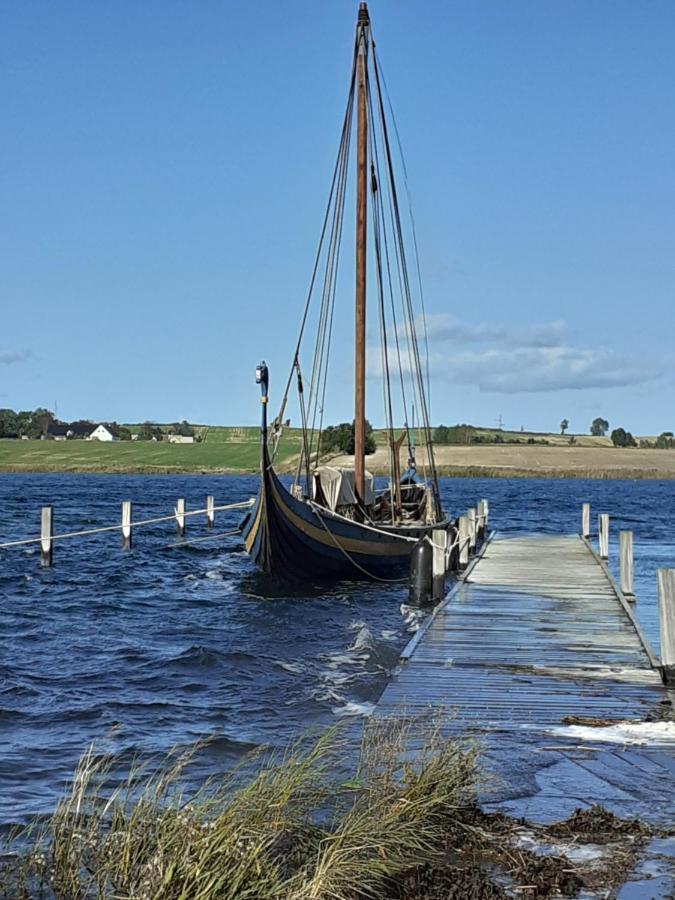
(164, 168)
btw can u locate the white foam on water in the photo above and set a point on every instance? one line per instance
(353, 709)
(346, 659)
(580, 853)
(333, 676)
(295, 668)
(363, 640)
(356, 625)
(388, 634)
(621, 733)
(412, 617)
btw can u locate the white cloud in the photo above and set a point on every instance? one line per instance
(8, 357)
(534, 359)
(539, 369)
(446, 328)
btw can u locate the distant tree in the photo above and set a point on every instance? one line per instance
(23, 419)
(9, 423)
(599, 427)
(123, 433)
(148, 431)
(665, 441)
(622, 438)
(40, 420)
(341, 437)
(564, 425)
(573, 439)
(442, 435)
(182, 428)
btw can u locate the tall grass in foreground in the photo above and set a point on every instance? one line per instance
(288, 830)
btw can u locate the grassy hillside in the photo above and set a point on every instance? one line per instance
(221, 449)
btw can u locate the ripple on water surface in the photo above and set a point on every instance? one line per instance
(170, 644)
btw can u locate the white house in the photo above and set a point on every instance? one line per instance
(103, 432)
(180, 439)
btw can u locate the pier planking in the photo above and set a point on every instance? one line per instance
(535, 634)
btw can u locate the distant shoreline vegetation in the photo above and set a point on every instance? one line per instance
(38, 442)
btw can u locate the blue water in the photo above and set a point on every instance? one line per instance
(171, 642)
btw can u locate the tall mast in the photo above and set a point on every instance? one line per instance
(361, 233)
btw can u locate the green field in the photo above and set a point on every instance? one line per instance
(222, 450)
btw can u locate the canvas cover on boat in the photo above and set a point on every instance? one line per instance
(337, 486)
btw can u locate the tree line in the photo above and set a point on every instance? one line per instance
(40, 423)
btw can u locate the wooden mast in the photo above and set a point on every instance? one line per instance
(361, 235)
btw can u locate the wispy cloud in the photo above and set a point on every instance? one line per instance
(9, 357)
(445, 328)
(536, 358)
(539, 369)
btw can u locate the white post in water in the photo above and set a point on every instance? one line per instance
(486, 512)
(440, 544)
(603, 535)
(126, 524)
(210, 512)
(471, 516)
(46, 534)
(463, 539)
(667, 623)
(626, 563)
(180, 517)
(586, 520)
(480, 518)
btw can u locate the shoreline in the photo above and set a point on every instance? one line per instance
(444, 471)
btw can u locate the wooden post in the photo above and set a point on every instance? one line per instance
(210, 512)
(46, 534)
(603, 535)
(480, 518)
(586, 520)
(126, 524)
(463, 541)
(471, 516)
(667, 623)
(486, 513)
(440, 543)
(453, 552)
(626, 563)
(180, 517)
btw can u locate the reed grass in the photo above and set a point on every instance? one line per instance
(289, 827)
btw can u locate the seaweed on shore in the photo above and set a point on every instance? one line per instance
(404, 826)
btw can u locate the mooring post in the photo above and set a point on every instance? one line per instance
(440, 544)
(486, 513)
(463, 541)
(471, 516)
(210, 512)
(180, 517)
(626, 563)
(46, 535)
(586, 520)
(603, 535)
(453, 549)
(667, 623)
(126, 524)
(480, 518)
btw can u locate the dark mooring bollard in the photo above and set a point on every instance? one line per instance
(421, 573)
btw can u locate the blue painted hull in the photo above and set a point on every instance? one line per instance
(292, 539)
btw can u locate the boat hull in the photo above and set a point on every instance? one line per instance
(291, 539)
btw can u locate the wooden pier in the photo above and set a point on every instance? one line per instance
(532, 652)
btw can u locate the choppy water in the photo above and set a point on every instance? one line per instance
(170, 643)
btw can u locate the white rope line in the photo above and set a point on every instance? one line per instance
(89, 531)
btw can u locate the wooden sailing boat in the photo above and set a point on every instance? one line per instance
(332, 522)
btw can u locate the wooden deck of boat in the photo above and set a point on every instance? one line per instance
(534, 637)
